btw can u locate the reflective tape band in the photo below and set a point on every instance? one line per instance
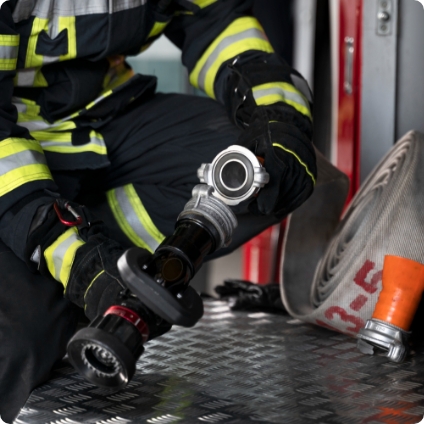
(241, 35)
(133, 218)
(9, 47)
(30, 78)
(203, 3)
(298, 158)
(53, 27)
(33, 60)
(61, 142)
(9, 40)
(157, 29)
(60, 255)
(266, 94)
(30, 118)
(21, 161)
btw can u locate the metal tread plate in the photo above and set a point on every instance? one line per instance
(236, 367)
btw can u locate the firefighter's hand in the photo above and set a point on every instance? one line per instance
(289, 158)
(95, 282)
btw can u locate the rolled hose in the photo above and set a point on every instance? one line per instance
(331, 265)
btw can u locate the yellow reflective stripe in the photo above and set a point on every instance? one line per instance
(9, 40)
(242, 43)
(298, 158)
(11, 146)
(61, 142)
(9, 45)
(24, 174)
(61, 254)
(21, 161)
(93, 280)
(142, 214)
(8, 64)
(203, 3)
(158, 28)
(68, 22)
(34, 60)
(133, 218)
(270, 93)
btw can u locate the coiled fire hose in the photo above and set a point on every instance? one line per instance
(332, 270)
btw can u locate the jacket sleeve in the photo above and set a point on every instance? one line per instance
(229, 57)
(23, 168)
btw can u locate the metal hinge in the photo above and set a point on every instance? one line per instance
(384, 17)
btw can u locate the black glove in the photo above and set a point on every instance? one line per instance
(247, 296)
(95, 283)
(282, 139)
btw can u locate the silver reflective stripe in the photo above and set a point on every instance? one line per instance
(119, 5)
(60, 252)
(20, 107)
(133, 219)
(46, 144)
(26, 77)
(288, 95)
(226, 42)
(17, 160)
(9, 52)
(35, 125)
(49, 8)
(302, 86)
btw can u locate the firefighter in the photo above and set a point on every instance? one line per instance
(77, 124)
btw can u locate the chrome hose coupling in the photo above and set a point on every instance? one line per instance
(236, 174)
(205, 204)
(385, 337)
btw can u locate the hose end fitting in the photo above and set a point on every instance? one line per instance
(384, 336)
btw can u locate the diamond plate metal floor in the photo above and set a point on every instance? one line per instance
(242, 368)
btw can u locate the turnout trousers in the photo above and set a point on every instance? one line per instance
(154, 149)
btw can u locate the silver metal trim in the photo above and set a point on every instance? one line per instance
(260, 177)
(384, 336)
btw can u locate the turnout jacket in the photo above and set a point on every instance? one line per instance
(63, 75)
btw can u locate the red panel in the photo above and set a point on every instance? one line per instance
(348, 131)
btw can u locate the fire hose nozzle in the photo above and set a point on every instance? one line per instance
(388, 329)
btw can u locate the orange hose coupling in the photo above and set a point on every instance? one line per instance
(388, 329)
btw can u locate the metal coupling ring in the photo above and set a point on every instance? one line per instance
(213, 210)
(235, 174)
(384, 336)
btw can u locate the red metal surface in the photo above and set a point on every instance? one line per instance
(260, 256)
(348, 133)
(131, 317)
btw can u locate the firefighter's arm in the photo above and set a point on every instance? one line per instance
(229, 57)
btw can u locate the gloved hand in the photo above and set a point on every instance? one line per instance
(246, 296)
(282, 139)
(80, 257)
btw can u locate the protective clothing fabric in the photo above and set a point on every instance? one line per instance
(36, 322)
(334, 279)
(63, 75)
